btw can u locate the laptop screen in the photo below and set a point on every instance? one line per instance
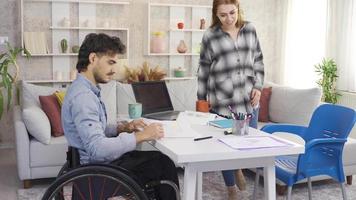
(153, 95)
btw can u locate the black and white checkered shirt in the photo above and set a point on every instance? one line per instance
(229, 70)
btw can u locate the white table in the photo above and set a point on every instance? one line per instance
(211, 155)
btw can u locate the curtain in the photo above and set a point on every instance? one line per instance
(305, 41)
(342, 42)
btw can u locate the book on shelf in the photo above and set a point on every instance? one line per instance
(221, 123)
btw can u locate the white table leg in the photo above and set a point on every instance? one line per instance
(270, 182)
(199, 185)
(190, 183)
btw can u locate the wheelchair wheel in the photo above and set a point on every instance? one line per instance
(95, 182)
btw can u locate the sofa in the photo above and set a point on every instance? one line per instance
(43, 157)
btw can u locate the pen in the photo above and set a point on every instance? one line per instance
(203, 138)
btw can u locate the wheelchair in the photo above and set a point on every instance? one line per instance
(100, 181)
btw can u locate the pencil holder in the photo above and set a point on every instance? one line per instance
(240, 127)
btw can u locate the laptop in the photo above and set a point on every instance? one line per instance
(155, 100)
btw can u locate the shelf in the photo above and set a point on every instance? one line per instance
(179, 5)
(170, 15)
(188, 30)
(80, 18)
(179, 78)
(173, 54)
(54, 54)
(48, 81)
(85, 1)
(87, 28)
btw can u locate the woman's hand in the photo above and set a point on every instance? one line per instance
(255, 97)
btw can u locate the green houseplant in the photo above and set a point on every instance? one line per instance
(8, 59)
(327, 69)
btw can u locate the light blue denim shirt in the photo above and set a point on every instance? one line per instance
(85, 126)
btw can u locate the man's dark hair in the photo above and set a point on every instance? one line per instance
(101, 44)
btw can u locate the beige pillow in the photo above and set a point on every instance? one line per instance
(293, 106)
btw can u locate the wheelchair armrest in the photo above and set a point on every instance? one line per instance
(294, 129)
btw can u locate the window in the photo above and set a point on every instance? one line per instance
(305, 43)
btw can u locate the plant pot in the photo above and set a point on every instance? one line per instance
(179, 72)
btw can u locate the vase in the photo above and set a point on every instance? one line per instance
(158, 45)
(202, 23)
(182, 47)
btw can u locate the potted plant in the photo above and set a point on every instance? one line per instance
(8, 59)
(328, 71)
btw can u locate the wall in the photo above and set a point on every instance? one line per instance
(265, 14)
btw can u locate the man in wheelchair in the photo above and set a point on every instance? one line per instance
(85, 122)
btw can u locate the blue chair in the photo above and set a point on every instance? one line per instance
(324, 139)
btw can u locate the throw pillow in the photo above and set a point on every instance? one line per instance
(30, 93)
(264, 104)
(37, 124)
(60, 97)
(53, 111)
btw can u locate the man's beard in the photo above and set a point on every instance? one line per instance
(99, 79)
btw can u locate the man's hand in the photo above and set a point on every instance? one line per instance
(153, 131)
(129, 127)
(255, 97)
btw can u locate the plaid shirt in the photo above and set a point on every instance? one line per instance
(229, 70)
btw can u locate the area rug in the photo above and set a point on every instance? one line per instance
(214, 189)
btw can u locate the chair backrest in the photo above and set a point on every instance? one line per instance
(330, 121)
(325, 137)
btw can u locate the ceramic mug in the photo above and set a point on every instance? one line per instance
(202, 106)
(135, 110)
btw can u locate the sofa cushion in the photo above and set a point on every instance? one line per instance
(52, 109)
(31, 92)
(37, 124)
(125, 96)
(294, 106)
(183, 94)
(108, 96)
(53, 154)
(348, 156)
(264, 104)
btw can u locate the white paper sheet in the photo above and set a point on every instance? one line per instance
(197, 118)
(253, 142)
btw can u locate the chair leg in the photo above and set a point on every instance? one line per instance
(289, 195)
(257, 180)
(349, 180)
(344, 196)
(309, 188)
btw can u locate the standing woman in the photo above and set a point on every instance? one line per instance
(231, 69)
